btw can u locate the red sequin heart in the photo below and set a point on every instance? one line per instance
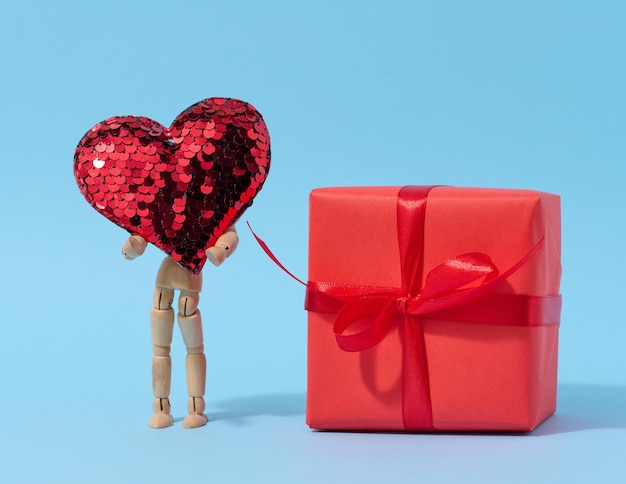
(180, 187)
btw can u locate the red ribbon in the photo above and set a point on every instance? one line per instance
(458, 289)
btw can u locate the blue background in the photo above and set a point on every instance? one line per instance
(483, 93)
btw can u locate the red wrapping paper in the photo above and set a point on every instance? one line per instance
(493, 374)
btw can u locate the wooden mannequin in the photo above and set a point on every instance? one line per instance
(171, 277)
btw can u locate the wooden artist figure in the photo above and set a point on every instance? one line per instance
(172, 277)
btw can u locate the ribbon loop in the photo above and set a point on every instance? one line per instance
(377, 315)
(458, 272)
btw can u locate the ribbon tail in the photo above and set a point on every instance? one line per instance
(271, 255)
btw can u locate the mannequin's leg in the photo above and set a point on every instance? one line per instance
(161, 328)
(190, 322)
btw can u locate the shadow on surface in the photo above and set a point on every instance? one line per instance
(238, 409)
(579, 407)
(586, 407)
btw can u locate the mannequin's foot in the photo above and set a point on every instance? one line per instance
(160, 420)
(161, 417)
(195, 420)
(196, 417)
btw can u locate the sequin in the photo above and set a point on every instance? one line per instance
(180, 187)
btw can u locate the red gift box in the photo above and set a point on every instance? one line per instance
(432, 309)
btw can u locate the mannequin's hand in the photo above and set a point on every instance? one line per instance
(134, 246)
(224, 247)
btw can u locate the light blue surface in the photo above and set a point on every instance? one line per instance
(489, 93)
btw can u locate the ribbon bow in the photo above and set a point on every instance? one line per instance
(446, 285)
